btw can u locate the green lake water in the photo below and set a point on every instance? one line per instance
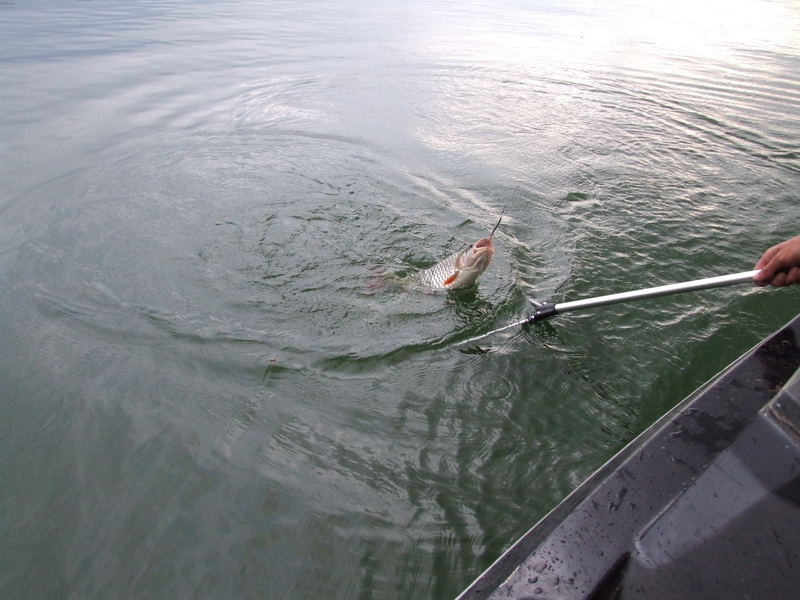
(206, 392)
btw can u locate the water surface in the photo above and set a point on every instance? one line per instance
(204, 391)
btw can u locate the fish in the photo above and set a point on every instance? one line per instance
(463, 268)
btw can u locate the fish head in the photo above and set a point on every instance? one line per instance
(472, 263)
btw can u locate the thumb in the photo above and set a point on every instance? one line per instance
(766, 266)
(768, 270)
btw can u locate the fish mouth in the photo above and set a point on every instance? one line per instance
(481, 256)
(482, 252)
(484, 243)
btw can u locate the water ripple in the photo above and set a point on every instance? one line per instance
(207, 219)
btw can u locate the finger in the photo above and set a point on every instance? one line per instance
(767, 273)
(767, 257)
(779, 280)
(762, 277)
(762, 262)
(793, 277)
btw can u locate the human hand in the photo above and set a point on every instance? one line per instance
(780, 265)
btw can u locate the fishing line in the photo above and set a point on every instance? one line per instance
(585, 27)
(591, 14)
(492, 332)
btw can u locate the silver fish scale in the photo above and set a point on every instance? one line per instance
(435, 276)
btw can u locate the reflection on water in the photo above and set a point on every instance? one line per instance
(198, 399)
